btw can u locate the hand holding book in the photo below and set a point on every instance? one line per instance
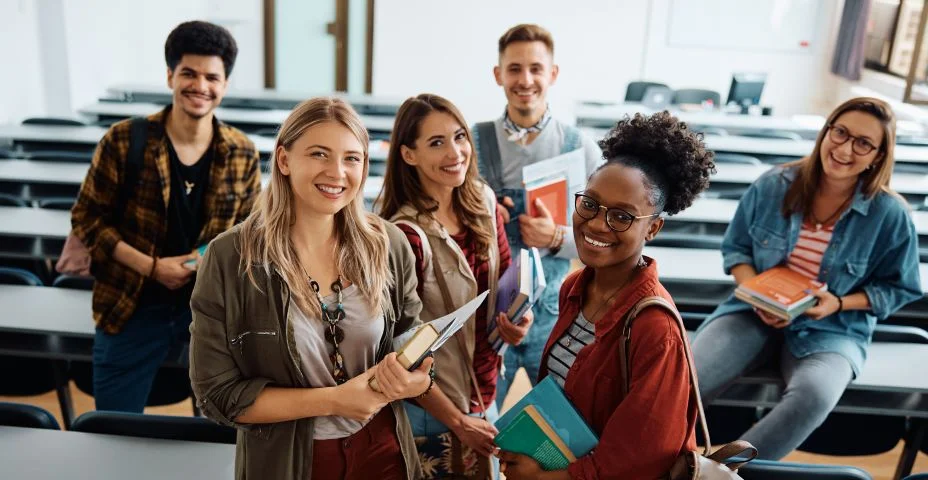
(395, 382)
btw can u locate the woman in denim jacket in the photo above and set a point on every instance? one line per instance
(830, 216)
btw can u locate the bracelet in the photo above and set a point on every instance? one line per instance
(840, 304)
(154, 263)
(431, 382)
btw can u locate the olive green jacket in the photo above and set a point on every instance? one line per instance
(242, 340)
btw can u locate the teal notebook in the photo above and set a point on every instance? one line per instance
(530, 434)
(552, 404)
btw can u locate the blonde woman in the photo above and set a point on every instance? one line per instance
(294, 311)
(432, 190)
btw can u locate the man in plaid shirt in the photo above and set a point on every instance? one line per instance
(198, 178)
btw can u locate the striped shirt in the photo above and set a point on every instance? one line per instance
(806, 257)
(563, 354)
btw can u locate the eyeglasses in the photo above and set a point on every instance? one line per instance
(839, 136)
(617, 219)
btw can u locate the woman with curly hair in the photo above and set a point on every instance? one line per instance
(654, 165)
(829, 216)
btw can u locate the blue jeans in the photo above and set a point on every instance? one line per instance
(124, 365)
(734, 344)
(424, 424)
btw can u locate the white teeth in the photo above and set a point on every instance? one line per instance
(332, 190)
(453, 168)
(595, 243)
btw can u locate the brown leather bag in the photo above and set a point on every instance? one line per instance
(691, 465)
(75, 258)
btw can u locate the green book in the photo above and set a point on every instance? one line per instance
(529, 434)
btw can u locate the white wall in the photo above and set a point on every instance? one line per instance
(21, 81)
(107, 42)
(601, 45)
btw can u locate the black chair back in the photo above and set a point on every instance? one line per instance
(695, 96)
(194, 429)
(634, 92)
(28, 416)
(770, 470)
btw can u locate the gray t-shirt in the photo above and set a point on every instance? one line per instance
(363, 331)
(549, 143)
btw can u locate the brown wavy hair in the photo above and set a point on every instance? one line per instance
(402, 186)
(360, 235)
(801, 192)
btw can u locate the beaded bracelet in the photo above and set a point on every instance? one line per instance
(431, 382)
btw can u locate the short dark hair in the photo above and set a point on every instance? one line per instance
(674, 160)
(526, 32)
(200, 38)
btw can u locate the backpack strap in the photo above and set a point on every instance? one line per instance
(572, 139)
(445, 296)
(488, 155)
(625, 351)
(138, 139)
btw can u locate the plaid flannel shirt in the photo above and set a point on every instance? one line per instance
(234, 182)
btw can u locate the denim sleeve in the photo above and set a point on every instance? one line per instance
(896, 280)
(737, 245)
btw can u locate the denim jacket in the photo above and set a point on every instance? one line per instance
(874, 249)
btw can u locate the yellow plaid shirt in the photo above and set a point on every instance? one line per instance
(234, 183)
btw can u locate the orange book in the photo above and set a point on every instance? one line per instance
(780, 291)
(553, 194)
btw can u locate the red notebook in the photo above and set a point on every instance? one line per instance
(553, 194)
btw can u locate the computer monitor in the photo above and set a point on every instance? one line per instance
(746, 88)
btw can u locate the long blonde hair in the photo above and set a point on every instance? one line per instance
(361, 240)
(402, 185)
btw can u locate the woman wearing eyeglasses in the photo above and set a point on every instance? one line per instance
(654, 165)
(829, 216)
(295, 310)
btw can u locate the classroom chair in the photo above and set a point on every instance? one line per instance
(695, 96)
(10, 200)
(771, 470)
(57, 203)
(917, 476)
(720, 132)
(165, 427)
(634, 92)
(54, 121)
(739, 158)
(911, 140)
(74, 282)
(25, 415)
(840, 433)
(774, 134)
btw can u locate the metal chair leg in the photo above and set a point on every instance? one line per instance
(63, 389)
(913, 441)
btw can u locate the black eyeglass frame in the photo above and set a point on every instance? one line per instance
(579, 196)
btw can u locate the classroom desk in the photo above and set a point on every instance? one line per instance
(743, 174)
(260, 98)
(721, 211)
(596, 115)
(232, 116)
(782, 148)
(67, 173)
(39, 454)
(91, 135)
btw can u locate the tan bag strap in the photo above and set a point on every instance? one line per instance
(625, 351)
(446, 299)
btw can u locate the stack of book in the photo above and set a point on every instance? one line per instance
(520, 286)
(544, 425)
(781, 292)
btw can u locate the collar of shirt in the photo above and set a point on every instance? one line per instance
(517, 133)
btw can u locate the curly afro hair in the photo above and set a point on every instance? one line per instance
(200, 38)
(674, 160)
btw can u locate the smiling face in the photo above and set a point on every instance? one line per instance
(525, 71)
(839, 160)
(325, 168)
(199, 82)
(615, 186)
(441, 154)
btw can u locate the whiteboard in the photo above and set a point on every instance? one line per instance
(787, 26)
